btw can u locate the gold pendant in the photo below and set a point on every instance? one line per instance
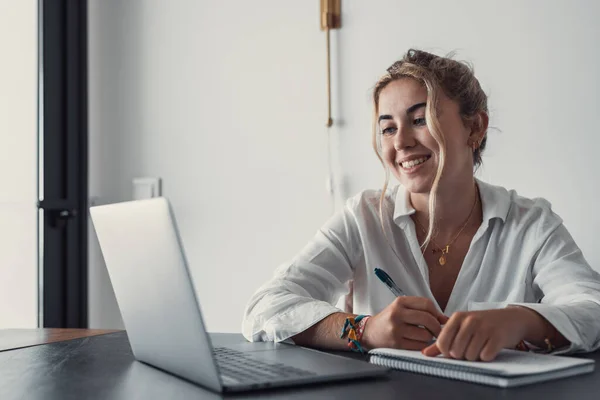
(445, 251)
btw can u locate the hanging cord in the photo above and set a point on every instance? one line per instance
(330, 183)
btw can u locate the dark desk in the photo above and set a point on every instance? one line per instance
(103, 367)
(17, 338)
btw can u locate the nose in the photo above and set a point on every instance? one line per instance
(404, 138)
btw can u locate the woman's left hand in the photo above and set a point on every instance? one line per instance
(480, 335)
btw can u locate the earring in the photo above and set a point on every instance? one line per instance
(473, 144)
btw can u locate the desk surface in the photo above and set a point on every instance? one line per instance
(103, 367)
(18, 338)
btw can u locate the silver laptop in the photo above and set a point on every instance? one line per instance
(151, 280)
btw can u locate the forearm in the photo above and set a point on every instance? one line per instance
(325, 334)
(539, 329)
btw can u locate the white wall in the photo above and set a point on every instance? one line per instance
(225, 101)
(227, 104)
(18, 164)
(539, 62)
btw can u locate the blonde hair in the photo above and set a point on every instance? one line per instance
(435, 73)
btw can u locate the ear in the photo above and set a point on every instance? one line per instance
(478, 125)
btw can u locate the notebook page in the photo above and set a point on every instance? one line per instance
(507, 363)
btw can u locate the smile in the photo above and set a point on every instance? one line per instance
(412, 164)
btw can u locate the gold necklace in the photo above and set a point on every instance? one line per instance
(446, 249)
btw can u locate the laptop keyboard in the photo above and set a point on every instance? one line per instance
(239, 367)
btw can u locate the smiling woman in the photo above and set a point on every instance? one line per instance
(485, 247)
(450, 86)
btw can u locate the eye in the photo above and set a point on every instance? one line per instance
(419, 121)
(388, 131)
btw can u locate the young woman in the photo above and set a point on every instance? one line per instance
(482, 268)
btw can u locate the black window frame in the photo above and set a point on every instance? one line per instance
(63, 133)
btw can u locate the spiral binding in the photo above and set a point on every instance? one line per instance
(451, 372)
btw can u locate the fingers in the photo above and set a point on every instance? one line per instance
(464, 337)
(447, 335)
(473, 351)
(465, 333)
(422, 318)
(422, 304)
(408, 344)
(490, 350)
(431, 351)
(488, 353)
(478, 335)
(417, 334)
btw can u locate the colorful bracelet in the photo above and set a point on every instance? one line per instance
(551, 347)
(353, 329)
(524, 346)
(360, 329)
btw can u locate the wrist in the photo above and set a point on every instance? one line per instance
(540, 332)
(353, 331)
(535, 326)
(361, 329)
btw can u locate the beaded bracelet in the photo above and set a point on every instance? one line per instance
(524, 346)
(354, 328)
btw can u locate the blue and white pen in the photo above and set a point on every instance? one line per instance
(385, 278)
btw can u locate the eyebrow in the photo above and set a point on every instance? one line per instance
(409, 110)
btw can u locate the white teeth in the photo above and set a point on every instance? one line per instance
(412, 163)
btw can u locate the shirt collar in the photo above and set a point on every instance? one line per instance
(494, 199)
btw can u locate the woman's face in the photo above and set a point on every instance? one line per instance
(408, 148)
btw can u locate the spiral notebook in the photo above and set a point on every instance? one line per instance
(510, 368)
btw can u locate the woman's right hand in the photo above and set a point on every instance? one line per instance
(407, 323)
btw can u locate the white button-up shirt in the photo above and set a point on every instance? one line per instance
(522, 254)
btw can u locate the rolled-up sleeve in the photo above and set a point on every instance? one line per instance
(304, 291)
(569, 289)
